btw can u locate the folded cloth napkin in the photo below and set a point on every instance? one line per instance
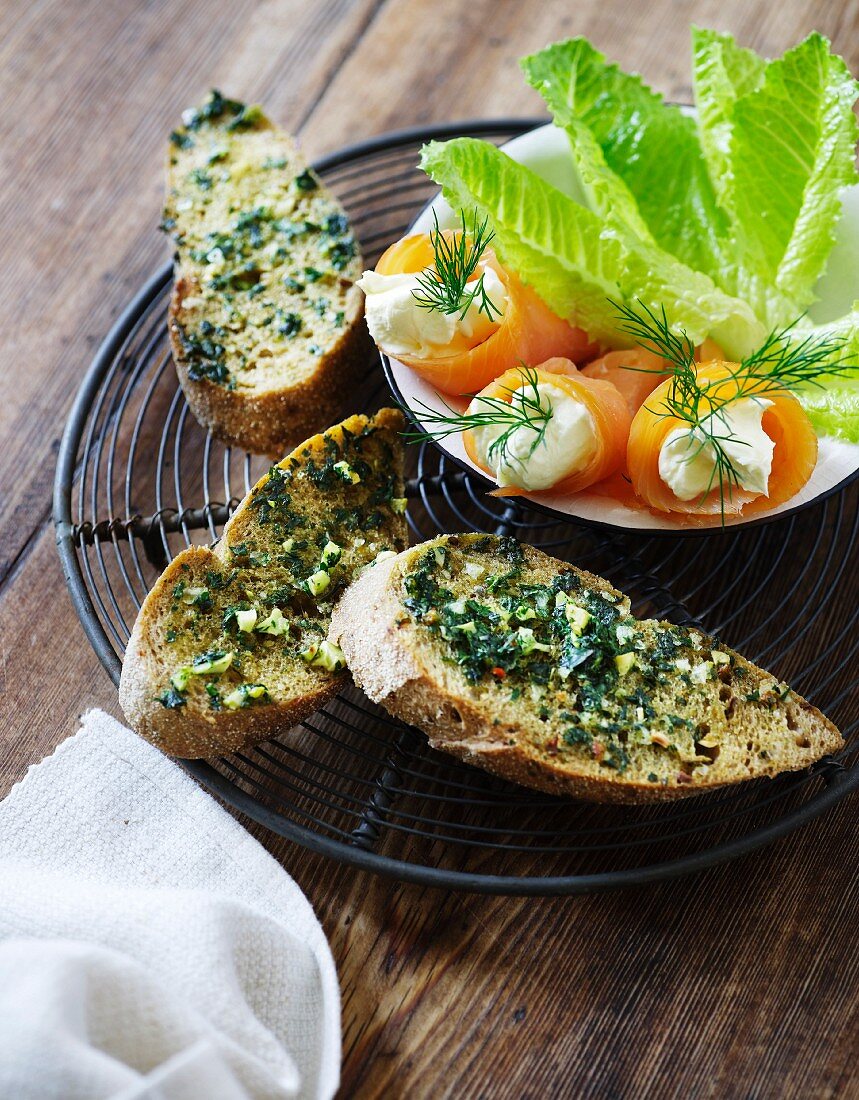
(149, 946)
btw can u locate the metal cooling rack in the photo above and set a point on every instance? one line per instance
(138, 480)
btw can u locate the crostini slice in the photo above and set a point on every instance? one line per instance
(265, 321)
(537, 672)
(230, 645)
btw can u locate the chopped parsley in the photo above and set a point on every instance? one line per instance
(215, 106)
(205, 354)
(202, 179)
(306, 181)
(288, 324)
(560, 642)
(172, 699)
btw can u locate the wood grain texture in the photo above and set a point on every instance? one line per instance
(742, 982)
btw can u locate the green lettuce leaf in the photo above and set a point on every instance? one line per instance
(833, 408)
(722, 73)
(749, 193)
(580, 260)
(696, 302)
(833, 405)
(780, 138)
(551, 242)
(653, 148)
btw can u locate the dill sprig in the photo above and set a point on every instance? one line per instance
(442, 287)
(781, 363)
(527, 408)
(652, 332)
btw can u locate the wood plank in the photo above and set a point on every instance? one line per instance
(90, 92)
(740, 982)
(456, 61)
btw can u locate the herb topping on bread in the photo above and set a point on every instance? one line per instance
(265, 321)
(230, 645)
(538, 672)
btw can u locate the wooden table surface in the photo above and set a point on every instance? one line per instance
(740, 982)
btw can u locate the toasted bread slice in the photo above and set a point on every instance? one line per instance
(229, 646)
(537, 671)
(266, 323)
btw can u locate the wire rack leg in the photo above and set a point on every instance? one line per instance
(366, 833)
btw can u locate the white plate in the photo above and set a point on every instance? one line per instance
(546, 151)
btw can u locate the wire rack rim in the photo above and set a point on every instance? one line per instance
(395, 139)
(838, 784)
(67, 466)
(527, 885)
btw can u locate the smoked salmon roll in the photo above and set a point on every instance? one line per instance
(565, 431)
(461, 354)
(635, 374)
(753, 449)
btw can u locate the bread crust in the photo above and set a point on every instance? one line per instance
(386, 661)
(274, 421)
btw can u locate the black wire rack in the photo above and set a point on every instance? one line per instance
(138, 480)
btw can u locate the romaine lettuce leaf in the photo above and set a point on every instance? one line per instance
(652, 147)
(602, 190)
(833, 404)
(833, 408)
(695, 300)
(780, 139)
(750, 192)
(845, 330)
(579, 260)
(722, 72)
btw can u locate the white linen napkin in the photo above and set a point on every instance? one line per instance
(149, 946)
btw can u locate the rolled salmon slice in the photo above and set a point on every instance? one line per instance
(635, 374)
(529, 332)
(785, 422)
(608, 410)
